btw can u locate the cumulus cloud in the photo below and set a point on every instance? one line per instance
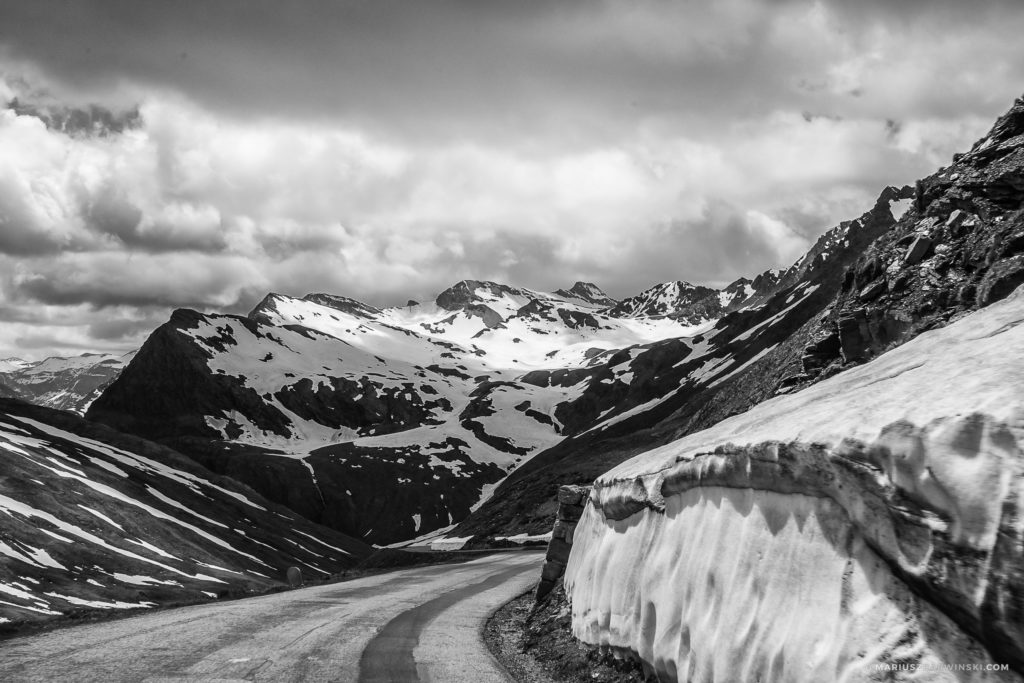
(164, 155)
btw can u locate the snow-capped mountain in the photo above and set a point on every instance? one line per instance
(93, 519)
(696, 304)
(66, 383)
(382, 423)
(661, 300)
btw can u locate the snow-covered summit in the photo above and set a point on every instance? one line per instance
(10, 364)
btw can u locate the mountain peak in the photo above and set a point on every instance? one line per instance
(587, 291)
(343, 304)
(467, 292)
(663, 299)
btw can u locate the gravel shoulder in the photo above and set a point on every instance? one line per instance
(536, 646)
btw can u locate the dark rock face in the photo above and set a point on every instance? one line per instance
(487, 315)
(588, 292)
(1002, 278)
(463, 294)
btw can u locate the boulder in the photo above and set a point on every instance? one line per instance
(552, 571)
(572, 495)
(872, 290)
(917, 250)
(1001, 279)
(854, 336)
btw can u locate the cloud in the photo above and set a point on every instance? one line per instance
(116, 279)
(164, 155)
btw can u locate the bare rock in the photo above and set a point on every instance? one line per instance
(917, 250)
(1001, 279)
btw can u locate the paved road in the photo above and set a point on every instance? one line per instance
(419, 624)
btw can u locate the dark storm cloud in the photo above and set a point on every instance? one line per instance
(118, 329)
(143, 281)
(462, 66)
(112, 214)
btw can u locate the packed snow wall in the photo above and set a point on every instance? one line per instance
(868, 527)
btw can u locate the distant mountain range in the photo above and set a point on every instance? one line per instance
(65, 383)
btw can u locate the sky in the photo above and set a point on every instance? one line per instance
(158, 155)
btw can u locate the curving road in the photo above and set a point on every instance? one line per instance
(419, 624)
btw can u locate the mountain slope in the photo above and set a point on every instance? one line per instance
(90, 518)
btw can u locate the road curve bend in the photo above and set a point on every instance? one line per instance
(421, 624)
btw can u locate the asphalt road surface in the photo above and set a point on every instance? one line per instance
(419, 624)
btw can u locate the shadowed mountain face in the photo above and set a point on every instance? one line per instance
(95, 520)
(387, 424)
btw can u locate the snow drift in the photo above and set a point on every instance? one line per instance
(869, 522)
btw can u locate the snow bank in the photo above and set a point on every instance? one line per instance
(871, 519)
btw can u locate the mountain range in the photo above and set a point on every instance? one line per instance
(391, 423)
(314, 426)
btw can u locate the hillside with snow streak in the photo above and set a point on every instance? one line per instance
(871, 520)
(90, 519)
